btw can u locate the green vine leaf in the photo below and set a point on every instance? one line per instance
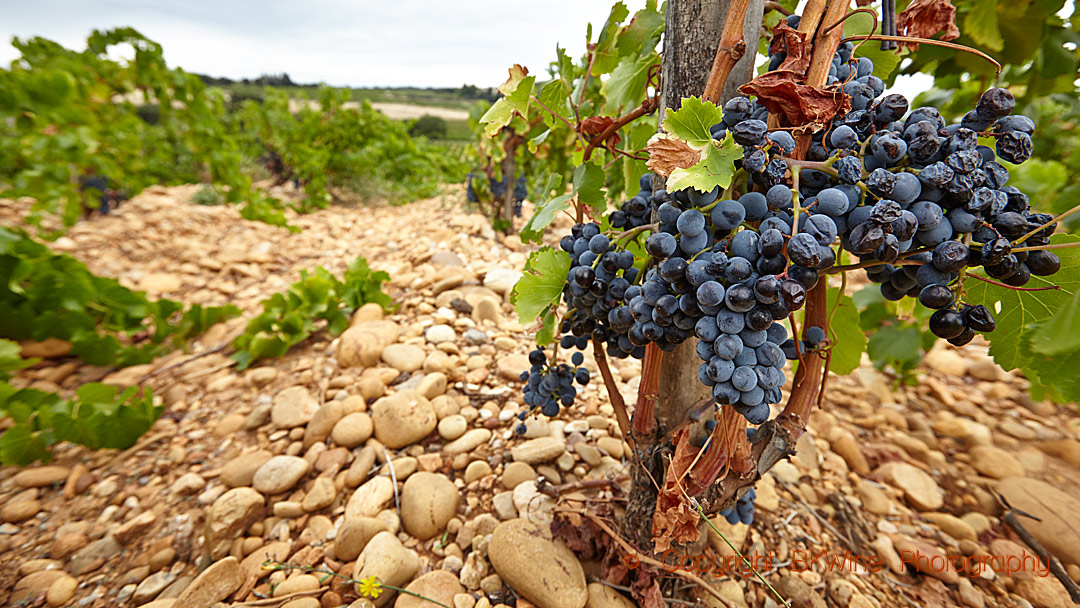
(981, 23)
(716, 168)
(1061, 333)
(589, 179)
(1021, 340)
(691, 122)
(849, 342)
(542, 284)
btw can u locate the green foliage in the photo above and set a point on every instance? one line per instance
(848, 341)
(291, 317)
(899, 337)
(68, 114)
(48, 295)
(99, 416)
(1036, 330)
(538, 120)
(330, 148)
(539, 290)
(207, 195)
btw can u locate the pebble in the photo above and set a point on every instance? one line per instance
(539, 450)
(438, 585)
(995, 462)
(452, 427)
(61, 591)
(428, 501)
(323, 422)
(477, 469)
(919, 488)
(292, 407)
(229, 516)
(544, 571)
(468, 442)
(280, 474)
(402, 419)
(188, 484)
(40, 477)
(437, 334)
(295, 584)
(403, 357)
(370, 498)
(1058, 513)
(354, 535)
(515, 473)
(353, 430)
(20, 511)
(387, 559)
(240, 471)
(321, 495)
(213, 585)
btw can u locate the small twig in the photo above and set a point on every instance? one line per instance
(1056, 219)
(776, 6)
(644, 558)
(993, 282)
(183, 362)
(393, 478)
(930, 41)
(1050, 246)
(277, 601)
(669, 600)
(634, 231)
(868, 11)
(614, 396)
(1010, 518)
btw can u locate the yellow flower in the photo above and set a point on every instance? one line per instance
(370, 587)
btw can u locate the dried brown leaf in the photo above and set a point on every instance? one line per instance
(675, 521)
(595, 125)
(667, 154)
(795, 43)
(799, 105)
(924, 18)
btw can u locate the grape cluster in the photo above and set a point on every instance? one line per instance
(636, 211)
(599, 284)
(743, 510)
(916, 201)
(498, 190)
(549, 386)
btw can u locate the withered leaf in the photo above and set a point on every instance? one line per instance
(795, 43)
(667, 154)
(595, 125)
(675, 521)
(924, 18)
(797, 104)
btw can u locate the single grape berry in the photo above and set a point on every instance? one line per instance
(978, 318)
(946, 323)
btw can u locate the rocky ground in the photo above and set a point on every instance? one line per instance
(388, 451)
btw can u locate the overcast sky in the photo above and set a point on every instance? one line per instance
(341, 42)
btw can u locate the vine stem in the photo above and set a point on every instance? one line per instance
(644, 425)
(729, 51)
(1056, 219)
(836, 269)
(1049, 246)
(993, 282)
(614, 396)
(949, 45)
(634, 232)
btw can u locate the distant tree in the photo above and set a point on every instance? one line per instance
(432, 127)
